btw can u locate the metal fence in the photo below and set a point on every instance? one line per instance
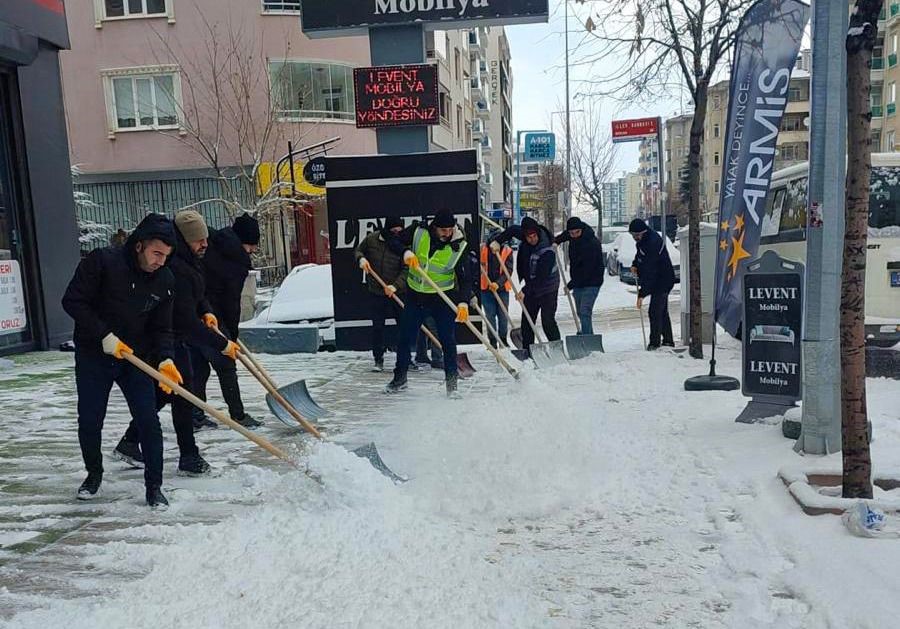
(104, 208)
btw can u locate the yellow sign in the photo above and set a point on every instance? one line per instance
(531, 200)
(265, 181)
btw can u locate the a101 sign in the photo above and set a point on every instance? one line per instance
(539, 147)
(332, 18)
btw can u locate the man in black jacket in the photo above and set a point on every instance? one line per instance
(226, 266)
(438, 249)
(374, 254)
(537, 267)
(587, 269)
(194, 324)
(656, 278)
(121, 299)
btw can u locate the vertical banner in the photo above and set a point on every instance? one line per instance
(362, 192)
(768, 41)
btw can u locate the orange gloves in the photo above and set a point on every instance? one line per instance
(170, 371)
(231, 350)
(411, 260)
(390, 290)
(113, 346)
(494, 286)
(462, 313)
(210, 320)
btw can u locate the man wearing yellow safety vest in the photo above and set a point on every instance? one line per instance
(439, 250)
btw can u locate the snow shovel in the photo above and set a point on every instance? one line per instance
(502, 361)
(544, 354)
(466, 370)
(213, 412)
(368, 451)
(490, 328)
(579, 345)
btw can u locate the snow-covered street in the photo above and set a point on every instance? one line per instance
(597, 494)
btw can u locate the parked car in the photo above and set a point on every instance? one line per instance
(627, 250)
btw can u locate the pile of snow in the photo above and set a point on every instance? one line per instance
(304, 295)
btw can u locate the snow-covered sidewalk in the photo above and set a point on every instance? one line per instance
(598, 494)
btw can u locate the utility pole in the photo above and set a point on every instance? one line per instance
(821, 423)
(568, 125)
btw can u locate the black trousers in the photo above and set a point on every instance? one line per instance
(181, 408)
(424, 344)
(382, 308)
(418, 308)
(546, 306)
(203, 358)
(660, 323)
(95, 373)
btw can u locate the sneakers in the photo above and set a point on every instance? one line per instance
(203, 422)
(248, 421)
(192, 466)
(652, 347)
(399, 383)
(422, 362)
(437, 363)
(129, 453)
(452, 385)
(90, 488)
(156, 499)
(414, 366)
(379, 366)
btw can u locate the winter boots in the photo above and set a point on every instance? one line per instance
(399, 383)
(192, 466)
(156, 499)
(90, 487)
(202, 422)
(130, 453)
(248, 421)
(452, 386)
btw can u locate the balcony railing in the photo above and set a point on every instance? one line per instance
(892, 59)
(895, 8)
(877, 111)
(891, 109)
(878, 63)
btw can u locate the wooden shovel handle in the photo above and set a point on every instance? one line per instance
(509, 368)
(515, 285)
(562, 274)
(218, 415)
(497, 297)
(490, 327)
(425, 330)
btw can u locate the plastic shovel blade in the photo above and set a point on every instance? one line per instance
(516, 336)
(583, 345)
(370, 452)
(550, 354)
(298, 396)
(520, 354)
(466, 370)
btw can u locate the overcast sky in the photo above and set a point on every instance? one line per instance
(538, 65)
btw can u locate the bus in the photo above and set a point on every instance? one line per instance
(784, 232)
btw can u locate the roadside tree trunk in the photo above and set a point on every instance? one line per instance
(696, 296)
(857, 462)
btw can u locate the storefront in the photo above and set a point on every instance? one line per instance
(38, 230)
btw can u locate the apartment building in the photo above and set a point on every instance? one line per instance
(497, 141)
(677, 150)
(648, 169)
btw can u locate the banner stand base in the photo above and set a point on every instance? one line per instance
(757, 410)
(712, 383)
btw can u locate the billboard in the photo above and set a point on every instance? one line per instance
(362, 192)
(539, 147)
(396, 96)
(634, 129)
(332, 18)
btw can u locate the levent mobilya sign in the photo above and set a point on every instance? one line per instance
(329, 18)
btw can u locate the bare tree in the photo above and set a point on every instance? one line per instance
(655, 48)
(857, 461)
(593, 160)
(552, 182)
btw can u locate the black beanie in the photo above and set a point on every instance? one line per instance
(637, 226)
(530, 225)
(391, 222)
(444, 218)
(154, 227)
(247, 229)
(575, 223)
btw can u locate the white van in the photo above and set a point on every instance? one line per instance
(784, 231)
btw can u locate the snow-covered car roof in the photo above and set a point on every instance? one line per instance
(305, 294)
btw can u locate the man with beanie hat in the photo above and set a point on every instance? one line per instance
(537, 267)
(374, 254)
(438, 249)
(225, 266)
(194, 324)
(656, 278)
(121, 299)
(586, 268)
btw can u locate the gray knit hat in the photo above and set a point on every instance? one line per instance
(191, 225)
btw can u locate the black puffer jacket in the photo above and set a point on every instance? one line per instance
(586, 258)
(109, 293)
(536, 265)
(225, 269)
(655, 271)
(190, 300)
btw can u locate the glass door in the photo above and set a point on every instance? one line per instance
(15, 320)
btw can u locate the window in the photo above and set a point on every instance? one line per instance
(793, 213)
(134, 8)
(890, 141)
(795, 94)
(894, 43)
(446, 106)
(142, 100)
(716, 130)
(893, 93)
(793, 152)
(793, 123)
(716, 161)
(772, 219)
(317, 90)
(456, 64)
(717, 102)
(459, 122)
(286, 6)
